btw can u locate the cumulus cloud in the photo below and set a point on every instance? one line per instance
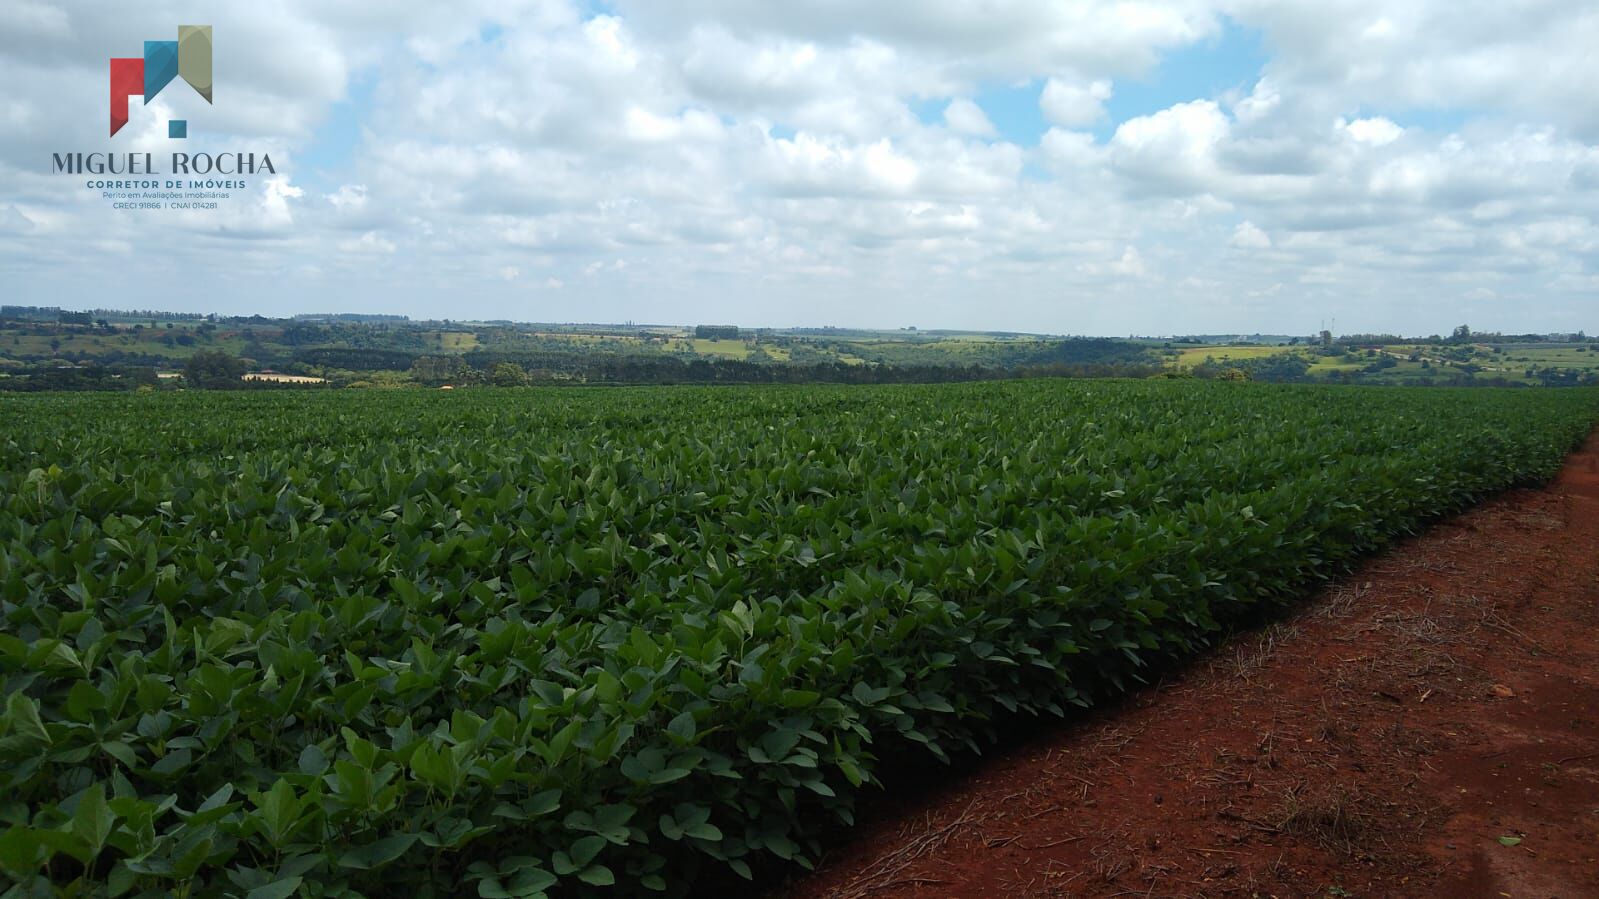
(349, 196)
(830, 163)
(1375, 131)
(1074, 104)
(965, 117)
(1248, 236)
(369, 243)
(1173, 150)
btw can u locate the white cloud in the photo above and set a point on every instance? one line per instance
(643, 125)
(1074, 104)
(369, 243)
(825, 163)
(965, 117)
(33, 19)
(819, 166)
(1173, 150)
(1070, 149)
(1375, 131)
(349, 196)
(1131, 264)
(274, 209)
(1248, 236)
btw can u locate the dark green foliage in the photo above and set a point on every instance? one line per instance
(632, 368)
(1090, 350)
(1282, 368)
(357, 358)
(611, 641)
(214, 370)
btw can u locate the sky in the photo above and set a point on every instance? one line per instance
(1103, 168)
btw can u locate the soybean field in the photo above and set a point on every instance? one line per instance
(579, 641)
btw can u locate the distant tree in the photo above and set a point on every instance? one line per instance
(435, 370)
(1461, 334)
(213, 370)
(507, 374)
(300, 334)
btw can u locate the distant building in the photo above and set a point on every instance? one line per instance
(282, 378)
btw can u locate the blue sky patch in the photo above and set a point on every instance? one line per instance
(324, 162)
(1232, 60)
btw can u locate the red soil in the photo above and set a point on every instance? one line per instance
(1390, 739)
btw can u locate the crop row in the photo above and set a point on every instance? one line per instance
(556, 642)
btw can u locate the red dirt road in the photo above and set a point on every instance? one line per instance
(1427, 727)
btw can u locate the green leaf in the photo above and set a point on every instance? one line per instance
(597, 875)
(217, 799)
(705, 831)
(378, 854)
(21, 851)
(683, 727)
(278, 889)
(800, 699)
(583, 851)
(24, 717)
(121, 879)
(173, 762)
(313, 760)
(852, 771)
(543, 802)
(120, 751)
(83, 701)
(92, 819)
(530, 881)
(819, 787)
(492, 888)
(278, 809)
(1509, 841)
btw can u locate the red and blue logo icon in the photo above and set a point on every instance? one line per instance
(188, 57)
